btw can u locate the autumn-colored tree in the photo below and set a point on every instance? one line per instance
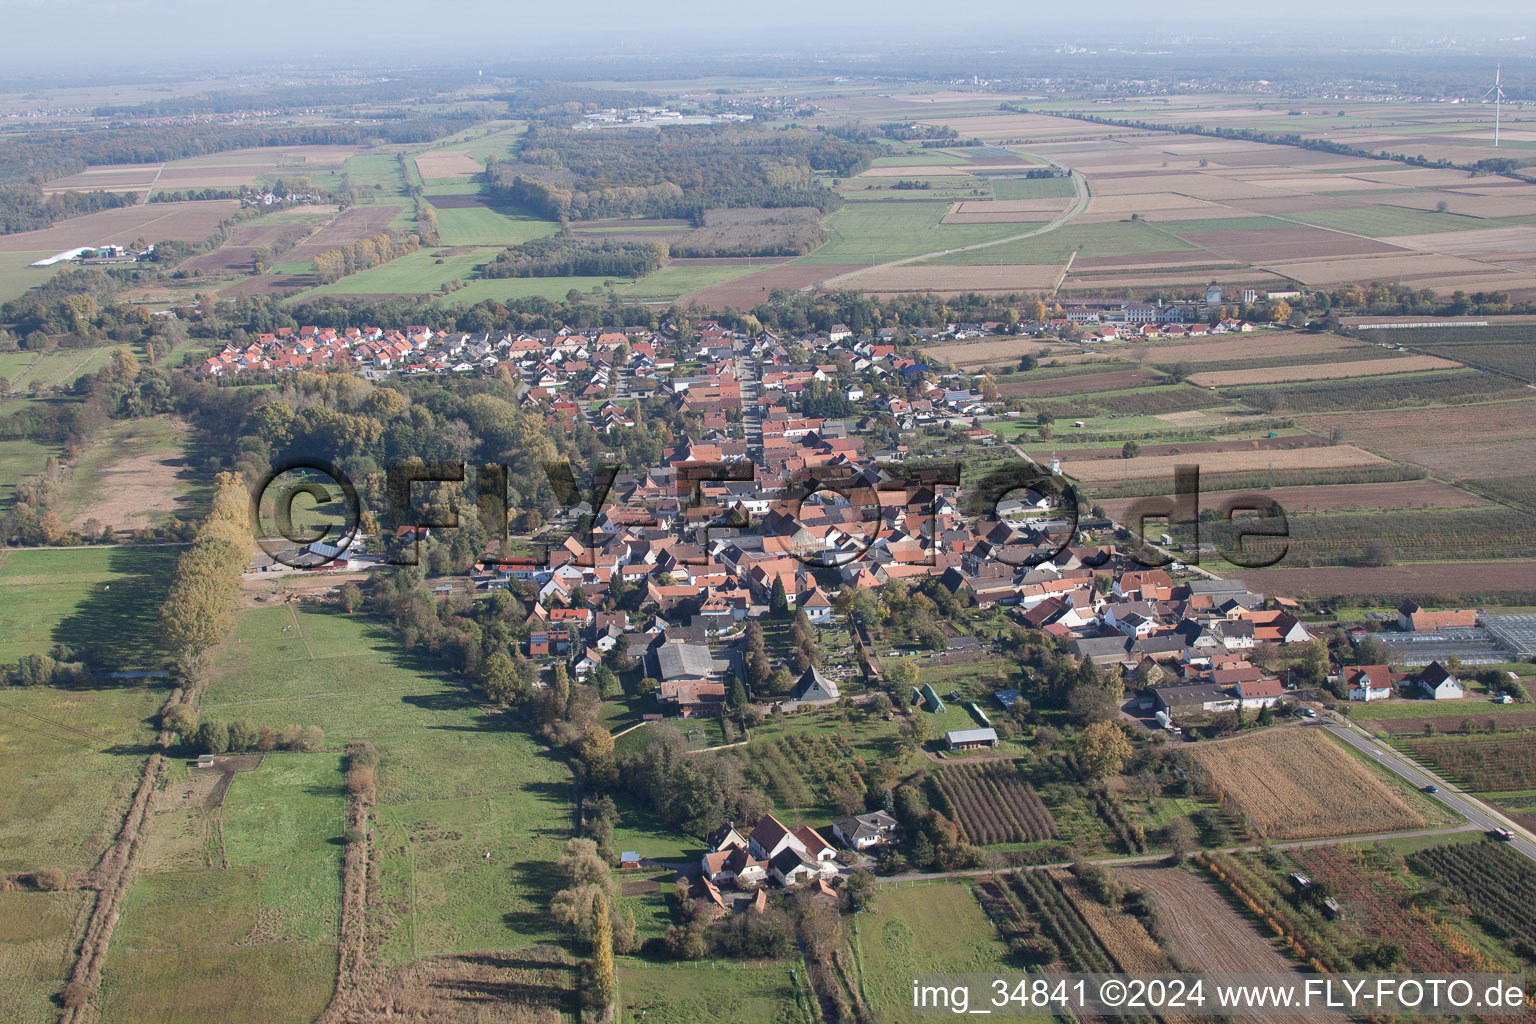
(1102, 750)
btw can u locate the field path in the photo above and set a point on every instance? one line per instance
(151, 189)
(1078, 182)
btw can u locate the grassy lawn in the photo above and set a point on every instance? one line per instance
(875, 232)
(375, 172)
(931, 927)
(71, 760)
(509, 288)
(1450, 709)
(676, 280)
(103, 601)
(20, 459)
(35, 953)
(490, 225)
(1381, 221)
(456, 780)
(26, 370)
(710, 991)
(17, 275)
(1032, 188)
(419, 273)
(270, 984)
(1116, 238)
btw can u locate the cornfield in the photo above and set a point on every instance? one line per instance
(1296, 784)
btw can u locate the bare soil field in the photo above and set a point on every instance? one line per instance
(1419, 267)
(1140, 468)
(1112, 381)
(183, 222)
(1462, 443)
(1409, 494)
(1495, 245)
(1466, 206)
(982, 278)
(1146, 260)
(1445, 579)
(1271, 245)
(1460, 710)
(1298, 784)
(1322, 371)
(746, 292)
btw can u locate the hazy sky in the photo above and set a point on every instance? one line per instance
(68, 33)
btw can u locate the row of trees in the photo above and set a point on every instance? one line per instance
(333, 264)
(199, 608)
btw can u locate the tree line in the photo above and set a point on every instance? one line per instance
(199, 607)
(25, 207)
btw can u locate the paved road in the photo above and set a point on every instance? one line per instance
(1475, 811)
(1079, 183)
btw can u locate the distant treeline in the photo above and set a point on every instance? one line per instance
(566, 256)
(42, 156)
(195, 194)
(679, 171)
(398, 87)
(26, 208)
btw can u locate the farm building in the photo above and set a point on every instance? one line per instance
(932, 698)
(970, 739)
(1413, 619)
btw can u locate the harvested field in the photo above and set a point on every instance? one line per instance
(1145, 261)
(155, 222)
(1322, 371)
(746, 292)
(982, 353)
(447, 164)
(240, 247)
(1172, 277)
(1112, 381)
(1202, 931)
(1463, 443)
(213, 170)
(1144, 204)
(1421, 580)
(1348, 497)
(1003, 277)
(354, 224)
(528, 986)
(1108, 470)
(1298, 784)
(1228, 348)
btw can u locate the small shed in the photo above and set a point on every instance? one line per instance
(205, 760)
(629, 860)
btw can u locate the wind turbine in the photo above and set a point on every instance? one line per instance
(1497, 92)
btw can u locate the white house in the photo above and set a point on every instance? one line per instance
(861, 831)
(1437, 683)
(1367, 682)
